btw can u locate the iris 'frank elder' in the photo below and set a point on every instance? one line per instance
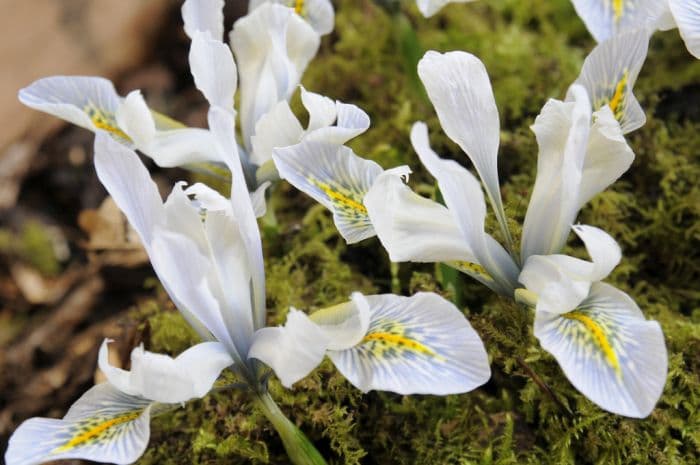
(607, 18)
(582, 150)
(273, 46)
(206, 251)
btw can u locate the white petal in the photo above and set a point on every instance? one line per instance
(175, 255)
(562, 131)
(608, 351)
(605, 19)
(272, 47)
(687, 16)
(134, 118)
(417, 345)
(465, 201)
(352, 121)
(257, 198)
(411, 227)
(213, 69)
(335, 177)
(610, 72)
(276, 128)
(605, 253)
(556, 291)
(221, 123)
(165, 379)
(204, 16)
(459, 88)
(292, 350)
(322, 110)
(319, 13)
(104, 425)
(89, 102)
(430, 7)
(344, 325)
(607, 156)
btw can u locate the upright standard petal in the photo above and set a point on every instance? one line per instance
(607, 18)
(221, 122)
(415, 345)
(610, 72)
(162, 378)
(335, 177)
(608, 351)
(459, 88)
(176, 252)
(104, 425)
(430, 7)
(89, 102)
(319, 13)
(562, 131)
(204, 16)
(465, 201)
(686, 13)
(273, 46)
(213, 69)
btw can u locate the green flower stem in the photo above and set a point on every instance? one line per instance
(298, 447)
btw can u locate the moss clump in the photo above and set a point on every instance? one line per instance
(34, 245)
(533, 50)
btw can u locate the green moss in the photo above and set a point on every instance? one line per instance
(533, 51)
(34, 245)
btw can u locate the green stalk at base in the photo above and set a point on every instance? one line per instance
(298, 447)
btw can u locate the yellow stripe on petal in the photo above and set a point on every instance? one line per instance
(618, 9)
(96, 430)
(391, 338)
(472, 269)
(339, 199)
(299, 6)
(598, 333)
(106, 122)
(617, 101)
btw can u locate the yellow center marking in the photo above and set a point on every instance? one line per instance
(298, 6)
(618, 9)
(470, 268)
(97, 430)
(599, 336)
(401, 341)
(102, 124)
(618, 96)
(340, 198)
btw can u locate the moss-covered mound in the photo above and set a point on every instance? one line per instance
(528, 412)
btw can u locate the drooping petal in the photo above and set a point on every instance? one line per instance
(687, 15)
(415, 345)
(430, 7)
(162, 378)
(213, 69)
(459, 88)
(610, 72)
(335, 177)
(204, 16)
(344, 325)
(104, 425)
(272, 47)
(319, 13)
(608, 351)
(607, 18)
(322, 110)
(562, 131)
(89, 102)
(292, 350)
(465, 201)
(411, 227)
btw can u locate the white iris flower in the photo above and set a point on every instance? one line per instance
(431, 7)
(608, 18)
(582, 150)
